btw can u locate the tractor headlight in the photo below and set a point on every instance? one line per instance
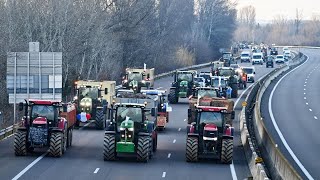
(129, 136)
(122, 135)
(125, 81)
(87, 104)
(75, 98)
(122, 129)
(143, 81)
(82, 104)
(130, 129)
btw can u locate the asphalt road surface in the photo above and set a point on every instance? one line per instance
(292, 115)
(84, 160)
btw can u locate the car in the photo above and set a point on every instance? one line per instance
(257, 58)
(200, 82)
(274, 51)
(269, 61)
(287, 55)
(284, 49)
(279, 59)
(245, 56)
(207, 77)
(250, 73)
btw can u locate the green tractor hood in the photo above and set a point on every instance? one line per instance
(126, 145)
(183, 89)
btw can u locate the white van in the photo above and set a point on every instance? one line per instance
(257, 58)
(245, 56)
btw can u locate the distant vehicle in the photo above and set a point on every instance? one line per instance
(269, 61)
(228, 59)
(274, 51)
(250, 73)
(257, 58)
(207, 77)
(279, 59)
(245, 56)
(284, 49)
(199, 82)
(287, 55)
(236, 67)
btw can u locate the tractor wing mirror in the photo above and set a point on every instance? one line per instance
(189, 113)
(105, 90)
(21, 106)
(153, 112)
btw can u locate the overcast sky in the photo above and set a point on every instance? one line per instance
(267, 9)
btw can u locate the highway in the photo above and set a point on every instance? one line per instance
(291, 114)
(84, 159)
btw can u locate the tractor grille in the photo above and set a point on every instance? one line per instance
(38, 135)
(209, 135)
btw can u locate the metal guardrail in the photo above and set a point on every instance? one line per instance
(272, 156)
(4, 133)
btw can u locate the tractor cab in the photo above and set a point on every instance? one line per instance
(204, 92)
(137, 78)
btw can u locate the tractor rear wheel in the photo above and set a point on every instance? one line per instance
(20, 143)
(192, 149)
(99, 119)
(143, 149)
(109, 147)
(227, 151)
(56, 144)
(173, 99)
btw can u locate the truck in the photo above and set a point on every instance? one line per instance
(46, 123)
(91, 97)
(136, 79)
(131, 127)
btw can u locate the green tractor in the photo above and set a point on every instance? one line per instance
(182, 87)
(131, 129)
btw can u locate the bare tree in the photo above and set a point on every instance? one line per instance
(297, 21)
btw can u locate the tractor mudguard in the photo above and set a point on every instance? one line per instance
(109, 132)
(56, 129)
(144, 134)
(193, 135)
(22, 128)
(62, 123)
(227, 137)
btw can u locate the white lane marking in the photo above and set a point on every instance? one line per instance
(304, 97)
(164, 174)
(304, 93)
(159, 88)
(307, 103)
(304, 89)
(310, 110)
(174, 141)
(169, 155)
(7, 137)
(304, 85)
(304, 170)
(305, 82)
(315, 117)
(96, 171)
(179, 129)
(86, 125)
(29, 166)
(233, 171)
(184, 119)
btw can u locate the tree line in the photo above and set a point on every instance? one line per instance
(100, 38)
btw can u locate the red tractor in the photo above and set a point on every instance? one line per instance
(46, 123)
(209, 136)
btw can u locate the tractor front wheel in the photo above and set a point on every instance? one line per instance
(227, 151)
(173, 99)
(99, 119)
(143, 149)
(56, 144)
(109, 147)
(192, 149)
(20, 143)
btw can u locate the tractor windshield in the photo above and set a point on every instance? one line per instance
(215, 82)
(185, 77)
(226, 56)
(224, 83)
(211, 117)
(89, 92)
(135, 77)
(207, 93)
(134, 113)
(42, 111)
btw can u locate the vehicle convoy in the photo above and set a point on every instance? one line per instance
(91, 97)
(233, 79)
(209, 135)
(46, 123)
(182, 86)
(245, 56)
(138, 78)
(131, 127)
(163, 107)
(257, 58)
